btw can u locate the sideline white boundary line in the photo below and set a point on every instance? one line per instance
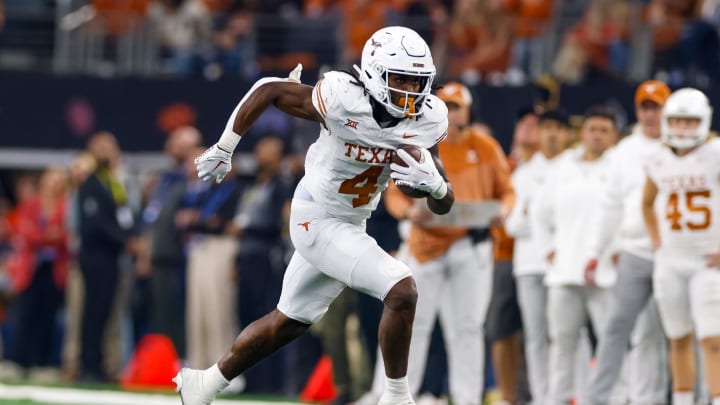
(92, 397)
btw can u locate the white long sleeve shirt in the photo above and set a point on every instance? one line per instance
(563, 215)
(527, 180)
(621, 214)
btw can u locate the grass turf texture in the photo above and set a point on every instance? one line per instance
(47, 395)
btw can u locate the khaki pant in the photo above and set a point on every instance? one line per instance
(112, 344)
(211, 298)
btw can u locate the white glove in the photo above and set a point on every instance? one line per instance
(214, 163)
(422, 176)
(294, 76)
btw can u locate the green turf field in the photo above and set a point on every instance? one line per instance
(46, 395)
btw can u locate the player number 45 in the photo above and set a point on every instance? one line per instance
(363, 185)
(673, 212)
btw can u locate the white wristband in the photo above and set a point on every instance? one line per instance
(228, 140)
(441, 192)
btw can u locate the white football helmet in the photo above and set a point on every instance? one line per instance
(396, 50)
(686, 103)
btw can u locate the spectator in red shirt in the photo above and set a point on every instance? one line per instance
(38, 269)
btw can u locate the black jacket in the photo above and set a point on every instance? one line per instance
(167, 242)
(98, 219)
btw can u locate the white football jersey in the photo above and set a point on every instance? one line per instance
(348, 166)
(688, 198)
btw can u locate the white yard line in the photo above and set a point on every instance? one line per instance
(91, 397)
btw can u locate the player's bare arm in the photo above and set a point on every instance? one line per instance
(288, 94)
(648, 201)
(442, 205)
(292, 98)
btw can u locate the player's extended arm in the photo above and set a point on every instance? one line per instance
(440, 205)
(288, 95)
(648, 202)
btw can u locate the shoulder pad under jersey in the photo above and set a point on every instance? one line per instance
(338, 93)
(433, 123)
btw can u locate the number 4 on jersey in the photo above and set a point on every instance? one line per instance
(362, 185)
(674, 215)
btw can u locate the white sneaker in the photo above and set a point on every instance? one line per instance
(190, 386)
(388, 400)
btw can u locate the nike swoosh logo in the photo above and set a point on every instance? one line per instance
(406, 136)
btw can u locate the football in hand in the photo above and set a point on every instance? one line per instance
(416, 154)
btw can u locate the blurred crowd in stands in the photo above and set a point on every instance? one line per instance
(499, 41)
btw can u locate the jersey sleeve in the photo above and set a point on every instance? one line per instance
(434, 122)
(443, 131)
(321, 97)
(649, 165)
(715, 147)
(326, 95)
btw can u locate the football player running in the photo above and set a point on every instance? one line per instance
(681, 192)
(364, 115)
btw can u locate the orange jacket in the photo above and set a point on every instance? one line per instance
(503, 244)
(478, 170)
